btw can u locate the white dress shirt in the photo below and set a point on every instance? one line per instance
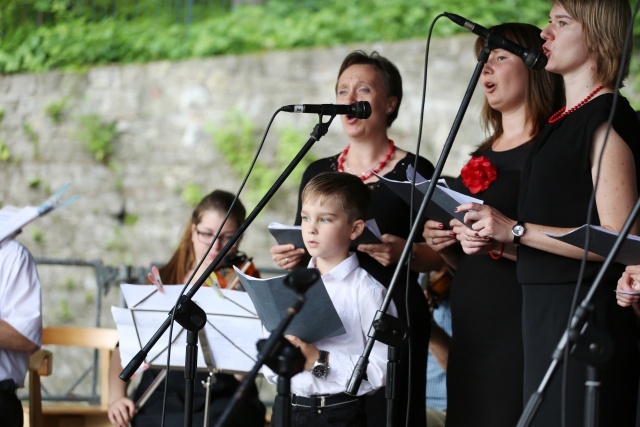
(357, 296)
(20, 306)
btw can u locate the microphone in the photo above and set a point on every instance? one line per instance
(359, 110)
(533, 59)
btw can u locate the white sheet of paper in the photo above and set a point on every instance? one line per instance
(232, 329)
(12, 219)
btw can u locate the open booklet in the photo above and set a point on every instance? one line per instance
(13, 219)
(227, 342)
(601, 242)
(318, 318)
(285, 234)
(443, 201)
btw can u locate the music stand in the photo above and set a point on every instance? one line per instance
(228, 339)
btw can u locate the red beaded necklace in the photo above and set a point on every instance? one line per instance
(563, 112)
(368, 174)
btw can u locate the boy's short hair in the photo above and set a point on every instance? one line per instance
(348, 190)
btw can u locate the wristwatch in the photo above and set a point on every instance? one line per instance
(518, 231)
(320, 369)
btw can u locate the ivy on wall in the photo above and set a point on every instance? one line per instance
(235, 139)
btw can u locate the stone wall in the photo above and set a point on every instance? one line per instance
(162, 112)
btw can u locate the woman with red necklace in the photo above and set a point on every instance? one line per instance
(584, 44)
(486, 359)
(375, 79)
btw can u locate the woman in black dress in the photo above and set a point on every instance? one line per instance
(485, 365)
(375, 79)
(583, 44)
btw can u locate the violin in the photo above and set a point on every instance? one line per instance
(438, 286)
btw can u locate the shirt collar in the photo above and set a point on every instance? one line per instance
(340, 271)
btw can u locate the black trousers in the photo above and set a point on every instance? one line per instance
(10, 406)
(350, 414)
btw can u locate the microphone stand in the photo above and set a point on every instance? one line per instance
(361, 365)
(584, 341)
(185, 305)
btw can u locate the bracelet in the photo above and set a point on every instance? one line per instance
(497, 257)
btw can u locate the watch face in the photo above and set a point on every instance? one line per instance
(320, 371)
(518, 230)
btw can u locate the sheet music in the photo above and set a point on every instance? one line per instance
(232, 329)
(443, 201)
(13, 219)
(285, 234)
(318, 318)
(601, 242)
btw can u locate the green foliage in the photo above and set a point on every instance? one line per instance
(237, 142)
(192, 194)
(56, 111)
(70, 284)
(77, 39)
(130, 219)
(64, 313)
(33, 138)
(5, 152)
(98, 137)
(38, 236)
(1, 115)
(35, 183)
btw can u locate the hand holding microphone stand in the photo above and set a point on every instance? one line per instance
(186, 312)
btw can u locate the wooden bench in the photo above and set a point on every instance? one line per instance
(70, 414)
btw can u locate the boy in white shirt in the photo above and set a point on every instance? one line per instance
(334, 208)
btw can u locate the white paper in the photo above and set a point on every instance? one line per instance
(232, 329)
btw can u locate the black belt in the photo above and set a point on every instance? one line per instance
(8, 386)
(323, 401)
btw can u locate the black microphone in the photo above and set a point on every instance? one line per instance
(533, 59)
(359, 110)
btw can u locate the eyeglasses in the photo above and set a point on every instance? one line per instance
(206, 237)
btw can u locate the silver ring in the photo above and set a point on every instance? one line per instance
(286, 260)
(432, 242)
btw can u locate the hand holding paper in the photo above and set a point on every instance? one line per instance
(442, 204)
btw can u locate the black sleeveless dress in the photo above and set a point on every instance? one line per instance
(556, 189)
(392, 216)
(486, 360)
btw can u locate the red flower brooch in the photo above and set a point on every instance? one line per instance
(478, 174)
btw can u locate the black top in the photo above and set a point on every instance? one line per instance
(486, 357)
(557, 185)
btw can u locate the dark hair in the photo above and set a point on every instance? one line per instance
(389, 72)
(544, 93)
(348, 190)
(184, 257)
